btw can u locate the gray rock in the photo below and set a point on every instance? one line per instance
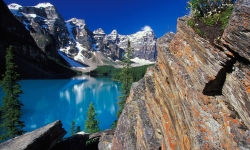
(40, 139)
(238, 29)
(105, 142)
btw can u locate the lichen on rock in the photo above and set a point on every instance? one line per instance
(196, 96)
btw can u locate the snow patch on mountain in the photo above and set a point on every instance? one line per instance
(139, 62)
(32, 15)
(43, 5)
(79, 46)
(14, 8)
(114, 32)
(72, 63)
(79, 56)
(99, 31)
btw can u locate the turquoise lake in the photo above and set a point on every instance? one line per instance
(46, 101)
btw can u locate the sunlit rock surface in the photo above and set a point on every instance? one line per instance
(40, 139)
(196, 97)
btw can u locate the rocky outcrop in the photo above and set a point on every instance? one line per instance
(196, 97)
(105, 141)
(40, 139)
(135, 129)
(238, 30)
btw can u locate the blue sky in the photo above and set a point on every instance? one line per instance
(126, 16)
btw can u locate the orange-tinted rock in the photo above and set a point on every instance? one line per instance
(196, 97)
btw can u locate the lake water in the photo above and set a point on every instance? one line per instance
(46, 101)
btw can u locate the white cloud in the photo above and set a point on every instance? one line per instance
(146, 28)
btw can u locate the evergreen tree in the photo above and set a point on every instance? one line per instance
(78, 129)
(72, 129)
(91, 124)
(126, 79)
(11, 106)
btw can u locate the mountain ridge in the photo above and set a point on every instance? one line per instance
(52, 33)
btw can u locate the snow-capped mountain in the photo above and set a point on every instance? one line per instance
(74, 40)
(143, 42)
(31, 60)
(45, 24)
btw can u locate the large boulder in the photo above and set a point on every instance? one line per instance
(43, 138)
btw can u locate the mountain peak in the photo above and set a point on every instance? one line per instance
(114, 32)
(44, 5)
(99, 31)
(14, 6)
(75, 20)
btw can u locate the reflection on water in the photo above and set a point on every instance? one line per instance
(66, 100)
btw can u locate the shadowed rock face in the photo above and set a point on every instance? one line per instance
(196, 97)
(46, 26)
(236, 35)
(40, 139)
(12, 32)
(32, 62)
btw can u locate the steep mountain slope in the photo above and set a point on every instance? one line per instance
(196, 97)
(45, 24)
(31, 61)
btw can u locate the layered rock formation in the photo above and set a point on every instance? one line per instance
(196, 97)
(40, 139)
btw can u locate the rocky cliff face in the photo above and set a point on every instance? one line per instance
(12, 32)
(143, 42)
(31, 60)
(45, 24)
(196, 97)
(107, 47)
